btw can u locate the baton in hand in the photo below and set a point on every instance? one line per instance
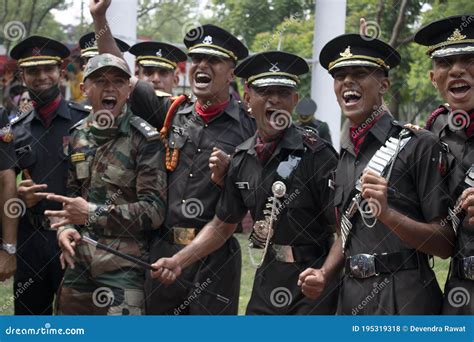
(147, 266)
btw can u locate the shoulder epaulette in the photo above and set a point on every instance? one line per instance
(80, 107)
(433, 116)
(147, 130)
(160, 93)
(19, 118)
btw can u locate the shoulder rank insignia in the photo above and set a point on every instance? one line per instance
(144, 128)
(6, 134)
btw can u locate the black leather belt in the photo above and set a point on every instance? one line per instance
(368, 265)
(285, 253)
(463, 268)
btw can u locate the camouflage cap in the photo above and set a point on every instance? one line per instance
(105, 60)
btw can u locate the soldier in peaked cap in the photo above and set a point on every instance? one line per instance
(157, 63)
(390, 195)
(450, 44)
(199, 135)
(280, 156)
(305, 109)
(89, 49)
(41, 138)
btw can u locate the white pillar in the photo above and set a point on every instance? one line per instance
(122, 18)
(329, 22)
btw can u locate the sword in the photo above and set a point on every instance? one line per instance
(147, 266)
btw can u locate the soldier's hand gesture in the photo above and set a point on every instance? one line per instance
(29, 192)
(75, 210)
(98, 8)
(167, 270)
(68, 238)
(467, 200)
(374, 190)
(219, 163)
(312, 282)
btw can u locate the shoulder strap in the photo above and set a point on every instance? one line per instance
(147, 130)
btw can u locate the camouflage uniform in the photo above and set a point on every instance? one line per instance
(122, 170)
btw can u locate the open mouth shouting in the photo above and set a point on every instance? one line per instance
(458, 89)
(351, 97)
(202, 80)
(109, 102)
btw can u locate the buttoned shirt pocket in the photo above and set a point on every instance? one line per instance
(26, 156)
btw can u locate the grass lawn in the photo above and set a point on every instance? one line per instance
(6, 295)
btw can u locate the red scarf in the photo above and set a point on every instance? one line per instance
(46, 112)
(207, 113)
(358, 134)
(265, 149)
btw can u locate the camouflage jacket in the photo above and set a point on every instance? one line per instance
(125, 177)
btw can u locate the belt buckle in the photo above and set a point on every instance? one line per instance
(362, 265)
(183, 236)
(468, 267)
(283, 253)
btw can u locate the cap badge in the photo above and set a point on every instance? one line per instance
(456, 35)
(207, 40)
(347, 53)
(158, 53)
(274, 67)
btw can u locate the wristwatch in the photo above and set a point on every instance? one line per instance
(9, 248)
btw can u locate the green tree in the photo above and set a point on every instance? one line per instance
(20, 19)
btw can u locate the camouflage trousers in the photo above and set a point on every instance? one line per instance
(102, 284)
